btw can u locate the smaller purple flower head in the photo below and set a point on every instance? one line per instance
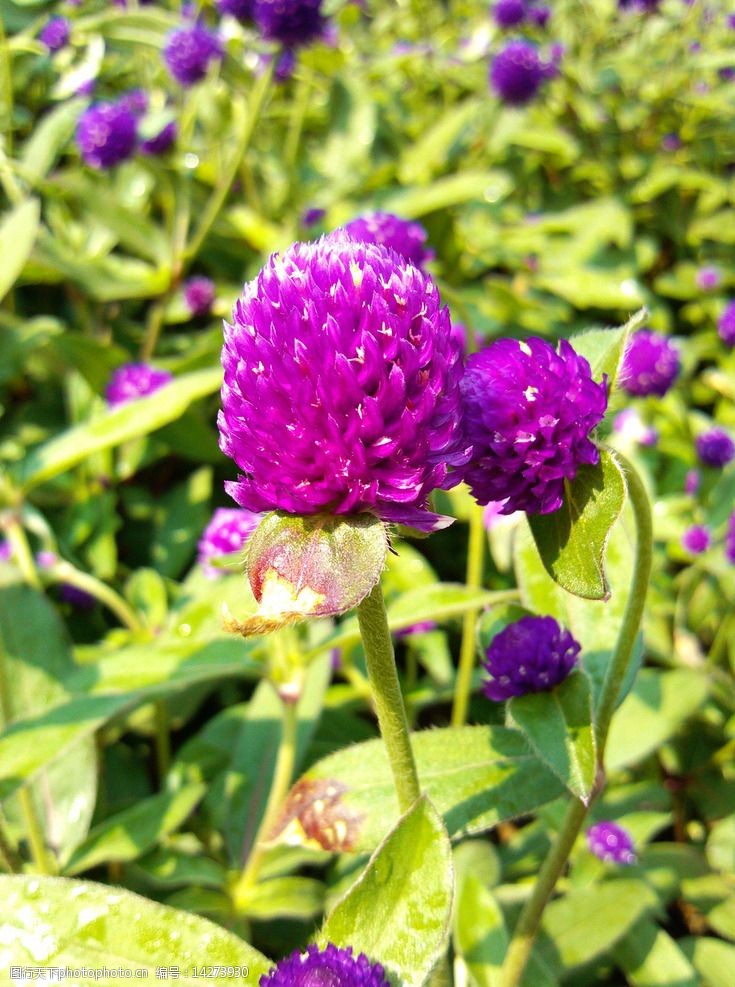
(517, 73)
(671, 142)
(136, 100)
(241, 10)
(6, 550)
(46, 559)
(134, 380)
(106, 134)
(611, 843)
(509, 13)
(162, 141)
(227, 532)
(696, 539)
(730, 540)
(188, 52)
(75, 597)
(531, 655)
(708, 278)
(726, 324)
(328, 967)
(650, 364)
(715, 448)
(292, 22)
(539, 16)
(55, 33)
(691, 482)
(528, 413)
(731, 21)
(631, 427)
(405, 237)
(313, 216)
(199, 294)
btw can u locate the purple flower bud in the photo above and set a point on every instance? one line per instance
(726, 324)
(539, 16)
(708, 278)
(730, 540)
(671, 142)
(55, 33)
(292, 22)
(531, 655)
(6, 550)
(691, 482)
(241, 10)
(106, 134)
(696, 539)
(199, 294)
(188, 52)
(162, 141)
(715, 448)
(517, 72)
(328, 967)
(341, 386)
(611, 843)
(509, 13)
(650, 365)
(405, 237)
(313, 216)
(134, 380)
(528, 414)
(227, 532)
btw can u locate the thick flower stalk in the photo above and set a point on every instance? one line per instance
(341, 386)
(329, 967)
(528, 414)
(651, 364)
(405, 237)
(532, 654)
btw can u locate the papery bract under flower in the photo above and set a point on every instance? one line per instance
(341, 385)
(532, 654)
(329, 967)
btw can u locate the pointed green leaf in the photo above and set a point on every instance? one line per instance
(604, 348)
(480, 936)
(649, 957)
(18, 230)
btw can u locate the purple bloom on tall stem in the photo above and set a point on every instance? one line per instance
(726, 324)
(106, 134)
(227, 532)
(328, 967)
(531, 655)
(650, 365)
(405, 237)
(189, 51)
(199, 294)
(517, 72)
(696, 539)
(341, 385)
(55, 33)
(708, 278)
(611, 843)
(162, 141)
(509, 13)
(528, 413)
(730, 540)
(292, 22)
(134, 380)
(715, 448)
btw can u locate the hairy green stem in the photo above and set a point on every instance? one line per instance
(475, 564)
(527, 926)
(387, 697)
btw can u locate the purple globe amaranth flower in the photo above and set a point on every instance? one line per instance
(539, 16)
(241, 10)
(715, 448)
(650, 364)
(134, 380)
(405, 237)
(726, 324)
(328, 967)
(6, 550)
(106, 134)
(730, 540)
(509, 13)
(708, 278)
(517, 73)
(55, 33)
(189, 51)
(528, 412)
(199, 294)
(731, 21)
(696, 539)
(227, 532)
(531, 655)
(292, 22)
(611, 843)
(312, 216)
(671, 142)
(136, 100)
(78, 598)
(691, 482)
(162, 141)
(341, 385)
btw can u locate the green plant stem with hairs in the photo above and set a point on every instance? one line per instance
(475, 564)
(528, 923)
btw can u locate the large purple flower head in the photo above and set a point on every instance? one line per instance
(726, 324)
(650, 365)
(328, 967)
(611, 843)
(227, 532)
(292, 22)
(528, 412)
(55, 33)
(241, 10)
(134, 380)
(341, 386)
(715, 448)
(509, 13)
(405, 237)
(517, 72)
(106, 134)
(730, 540)
(531, 655)
(696, 539)
(188, 52)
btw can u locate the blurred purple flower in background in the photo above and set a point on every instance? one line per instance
(509, 13)
(55, 33)
(134, 380)
(162, 141)
(696, 539)
(241, 10)
(106, 134)
(611, 843)
(726, 324)
(730, 540)
(517, 73)
(6, 550)
(199, 294)
(189, 51)
(312, 216)
(708, 278)
(405, 237)
(531, 655)
(227, 532)
(292, 22)
(631, 427)
(650, 364)
(691, 482)
(715, 448)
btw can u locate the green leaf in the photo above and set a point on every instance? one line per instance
(18, 231)
(476, 777)
(118, 425)
(572, 540)
(452, 190)
(604, 348)
(59, 922)
(171, 868)
(713, 959)
(558, 725)
(131, 833)
(480, 936)
(649, 957)
(398, 911)
(179, 520)
(285, 897)
(721, 845)
(48, 139)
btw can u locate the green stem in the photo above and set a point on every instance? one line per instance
(7, 88)
(381, 668)
(8, 857)
(282, 776)
(525, 931)
(163, 740)
(475, 565)
(22, 555)
(66, 573)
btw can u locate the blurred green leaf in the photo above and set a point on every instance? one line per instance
(49, 139)
(18, 231)
(649, 957)
(285, 897)
(179, 521)
(604, 348)
(480, 936)
(713, 959)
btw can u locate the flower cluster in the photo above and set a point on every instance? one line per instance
(199, 294)
(650, 365)
(227, 532)
(715, 448)
(55, 33)
(611, 843)
(328, 967)
(726, 324)
(512, 13)
(531, 655)
(518, 72)
(696, 539)
(188, 52)
(293, 23)
(385, 228)
(134, 380)
(108, 132)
